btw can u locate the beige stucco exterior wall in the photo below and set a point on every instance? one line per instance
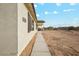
(8, 29)
(14, 36)
(23, 36)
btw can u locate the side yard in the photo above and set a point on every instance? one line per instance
(62, 43)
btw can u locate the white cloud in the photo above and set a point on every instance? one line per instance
(69, 10)
(55, 12)
(37, 15)
(35, 5)
(72, 4)
(58, 4)
(46, 12)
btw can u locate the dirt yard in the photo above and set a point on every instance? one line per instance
(62, 42)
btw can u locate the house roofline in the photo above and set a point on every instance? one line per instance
(40, 21)
(31, 9)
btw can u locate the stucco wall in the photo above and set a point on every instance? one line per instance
(8, 29)
(14, 36)
(23, 36)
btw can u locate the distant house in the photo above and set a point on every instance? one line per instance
(40, 25)
(18, 26)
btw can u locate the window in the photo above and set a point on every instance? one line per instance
(29, 22)
(32, 25)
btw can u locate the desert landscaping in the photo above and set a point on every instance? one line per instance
(62, 42)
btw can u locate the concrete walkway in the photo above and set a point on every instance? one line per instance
(40, 47)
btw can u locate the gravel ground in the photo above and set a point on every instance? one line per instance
(62, 42)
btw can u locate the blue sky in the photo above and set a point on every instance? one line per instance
(58, 14)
